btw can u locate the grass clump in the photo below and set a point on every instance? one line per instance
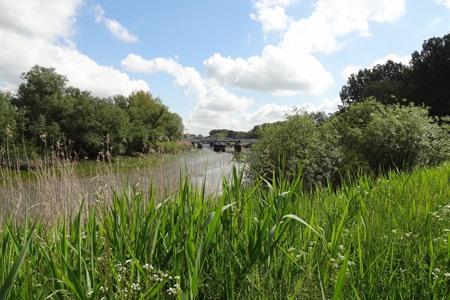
(371, 239)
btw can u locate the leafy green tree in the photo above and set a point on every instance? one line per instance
(386, 82)
(424, 82)
(430, 76)
(41, 98)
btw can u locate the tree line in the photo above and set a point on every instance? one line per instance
(47, 114)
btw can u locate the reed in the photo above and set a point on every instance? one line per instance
(370, 239)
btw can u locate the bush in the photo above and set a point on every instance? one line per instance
(297, 144)
(382, 138)
(366, 137)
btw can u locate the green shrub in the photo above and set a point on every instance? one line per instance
(382, 138)
(366, 137)
(297, 144)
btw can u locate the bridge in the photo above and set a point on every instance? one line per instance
(219, 144)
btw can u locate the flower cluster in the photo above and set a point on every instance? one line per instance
(131, 280)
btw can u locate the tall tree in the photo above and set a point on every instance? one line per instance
(425, 82)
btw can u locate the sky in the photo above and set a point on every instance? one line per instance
(219, 64)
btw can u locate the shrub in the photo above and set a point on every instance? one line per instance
(382, 138)
(297, 144)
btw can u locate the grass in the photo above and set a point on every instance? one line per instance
(385, 238)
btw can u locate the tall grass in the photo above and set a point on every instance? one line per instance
(371, 239)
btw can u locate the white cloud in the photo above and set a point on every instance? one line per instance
(275, 70)
(327, 105)
(272, 14)
(208, 92)
(290, 67)
(444, 2)
(267, 113)
(333, 19)
(45, 19)
(351, 69)
(215, 106)
(34, 37)
(116, 29)
(394, 57)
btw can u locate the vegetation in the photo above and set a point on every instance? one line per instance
(47, 115)
(423, 82)
(353, 205)
(366, 137)
(372, 239)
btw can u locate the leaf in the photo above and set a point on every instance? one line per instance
(10, 279)
(298, 219)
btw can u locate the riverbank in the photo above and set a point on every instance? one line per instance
(373, 239)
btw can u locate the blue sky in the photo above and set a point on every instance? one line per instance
(219, 64)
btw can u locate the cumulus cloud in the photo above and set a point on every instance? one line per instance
(208, 92)
(114, 27)
(215, 106)
(333, 19)
(351, 69)
(46, 27)
(444, 2)
(275, 70)
(290, 67)
(272, 14)
(267, 113)
(44, 19)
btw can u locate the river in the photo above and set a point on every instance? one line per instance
(50, 193)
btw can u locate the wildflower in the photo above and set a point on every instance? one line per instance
(135, 286)
(341, 247)
(128, 261)
(447, 274)
(394, 230)
(148, 267)
(351, 263)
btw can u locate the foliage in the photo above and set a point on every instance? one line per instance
(423, 82)
(8, 126)
(65, 119)
(296, 145)
(231, 134)
(374, 239)
(365, 137)
(390, 137)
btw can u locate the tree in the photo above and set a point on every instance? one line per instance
(41, 98)
(430, 76)
(425, 82)
(386, 82)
